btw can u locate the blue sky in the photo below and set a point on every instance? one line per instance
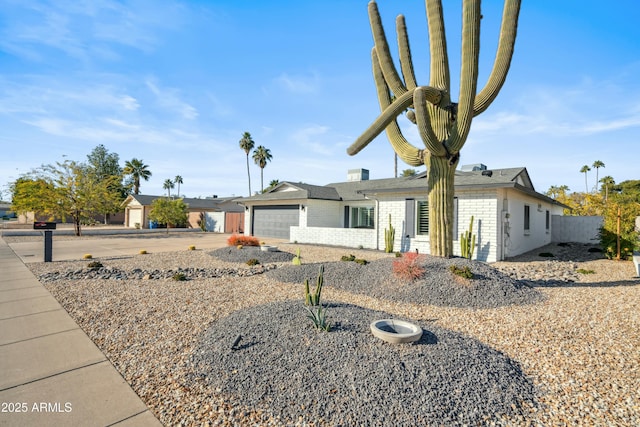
(176, 83)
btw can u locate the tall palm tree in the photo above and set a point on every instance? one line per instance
(261, 156)
(597, 165)
(168, 185)
(178, 180)
(246, 143)
(607, 181)
(136, 169)
(584, 170)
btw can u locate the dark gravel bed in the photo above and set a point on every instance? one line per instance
(233, 254)
(285, 367)
(488, 288)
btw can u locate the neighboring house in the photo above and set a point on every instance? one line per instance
(510, 217)
(221, 214)
(5, 210)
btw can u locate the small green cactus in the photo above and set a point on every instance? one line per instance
(468, 241)
(314, 299)
(296, 259)
(389, 237)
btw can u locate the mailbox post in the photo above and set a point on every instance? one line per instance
(48, 239)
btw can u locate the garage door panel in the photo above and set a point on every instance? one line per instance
(274, 221)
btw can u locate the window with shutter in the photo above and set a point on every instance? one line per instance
(422, 217)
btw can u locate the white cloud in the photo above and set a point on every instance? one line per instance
(169, 99)
(129, 103)
(298, 84)
(313, 138)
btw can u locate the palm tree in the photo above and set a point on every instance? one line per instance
(178, 180)
(607, 181)
(273, 183)
(136, 169)
(261, 156)
(168, 185)
(246, 143)
(597, 165)
(584, 170)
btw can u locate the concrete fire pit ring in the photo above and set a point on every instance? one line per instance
(395, 331)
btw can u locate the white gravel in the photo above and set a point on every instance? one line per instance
(579, 348)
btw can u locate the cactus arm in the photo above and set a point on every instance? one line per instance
(439, 69)
(407, 152)
(307, 295)
(468, 74)
(506, 43)
(384, 54)
(423, 121)
(387, 116)
(319, 283)
(404, 52)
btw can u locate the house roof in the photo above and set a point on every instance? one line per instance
(356, 190)
(192, 203)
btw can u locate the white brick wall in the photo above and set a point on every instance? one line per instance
(348, 237)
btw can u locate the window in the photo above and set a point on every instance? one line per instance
(547, 221)
(362, 217)
(422, 217)
(527, 218)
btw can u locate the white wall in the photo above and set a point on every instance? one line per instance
(348, 237)
(482, 206)
(215, 221)
(579, 229)
(518, 241)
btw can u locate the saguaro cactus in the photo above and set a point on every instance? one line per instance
(443, 125)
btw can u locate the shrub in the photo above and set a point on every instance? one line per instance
(179, 277)
(398, 254)
(464, 272)
(252, 262)
(313, 299)
(348, 258)
(361, 261)
(192, 248)
(94, 265)
(583, 271)
(408, 266)
(87, 256)
(318, 316)
(609, 243)
(240, 239)
(142, 252)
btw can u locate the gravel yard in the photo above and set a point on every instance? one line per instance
(571, 357)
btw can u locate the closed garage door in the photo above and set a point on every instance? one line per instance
(135, 217)
(274, 221)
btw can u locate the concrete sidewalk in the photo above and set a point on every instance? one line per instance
(51, 373)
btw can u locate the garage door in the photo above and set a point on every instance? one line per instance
(135, 217)
(274, 221)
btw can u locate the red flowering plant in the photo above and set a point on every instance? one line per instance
(409, 267)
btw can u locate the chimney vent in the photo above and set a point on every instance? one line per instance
(357, 175)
